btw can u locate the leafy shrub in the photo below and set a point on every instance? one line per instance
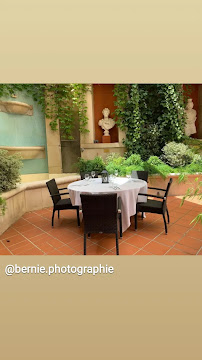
(111, 157)
(97, 164)
(177, 154)
(134, 159)
(125, 166)
(2, 206)
(9, 170)
(111, 167)
(154, 160)
(194, 144)
(197, 159)
(154, 165)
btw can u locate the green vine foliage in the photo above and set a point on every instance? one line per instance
(2, 206)
(151, 115)
(61, 103)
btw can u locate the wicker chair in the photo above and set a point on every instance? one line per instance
(58, 203)
(100, 215)
(143, 175)
(155, 206)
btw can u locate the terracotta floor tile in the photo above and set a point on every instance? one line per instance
(179, 229)
(175, 252)
(65, 236)
(23, 229)
(184, 222)
(21, 250)
(5, 252)
(78, 244)
(138, 241)
(195, 234)
(142, 252)
(95, 250)
(44, 246)
(33, 251)
(13, 240)
(111, 253)
(33, 232)
(20, 222)
(185, 249)
(75, 229)
(54, 252)
(8, 233)
(18, 245)
(2, 245)
(107, 243)
(35, 219)
(171, 235)
(42, 211)
(41, 238)
(55, 243)
(97, 237)
(164, 239)
(197, 226)
(127, 249)
(191, 242)
(148, 234)
(44, 225)
(66, 250)
(156, 248)
(28, 215)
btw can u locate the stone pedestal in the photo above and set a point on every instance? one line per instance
(106, 139)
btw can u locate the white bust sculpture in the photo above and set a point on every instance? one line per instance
(106, 123)
(190, 127)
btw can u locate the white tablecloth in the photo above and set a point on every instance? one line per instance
(128, 191)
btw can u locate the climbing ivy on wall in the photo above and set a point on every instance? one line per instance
(151, 115)
(65, 103)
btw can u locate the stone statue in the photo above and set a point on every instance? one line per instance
(106, 123)
(190, 127)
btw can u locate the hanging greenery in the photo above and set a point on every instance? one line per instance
(151, 115)
(63, 103)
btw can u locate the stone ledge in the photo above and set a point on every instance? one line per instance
(102, 145)
(29, 197)
(27, 152)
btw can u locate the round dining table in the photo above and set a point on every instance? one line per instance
(126, 189)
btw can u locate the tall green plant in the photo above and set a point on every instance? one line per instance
(151, 115)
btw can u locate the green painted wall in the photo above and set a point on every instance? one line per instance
(23, 130)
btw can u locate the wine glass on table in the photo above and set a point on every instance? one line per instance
(128, 175)
(93, 174)
(116, 173)
(87, 177)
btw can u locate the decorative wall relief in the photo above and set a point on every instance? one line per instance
(16, 107)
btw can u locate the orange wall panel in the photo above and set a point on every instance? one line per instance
(104, 98)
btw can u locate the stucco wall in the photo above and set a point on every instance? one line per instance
(24, 130)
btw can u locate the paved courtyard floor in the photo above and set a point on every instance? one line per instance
(34, 235)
